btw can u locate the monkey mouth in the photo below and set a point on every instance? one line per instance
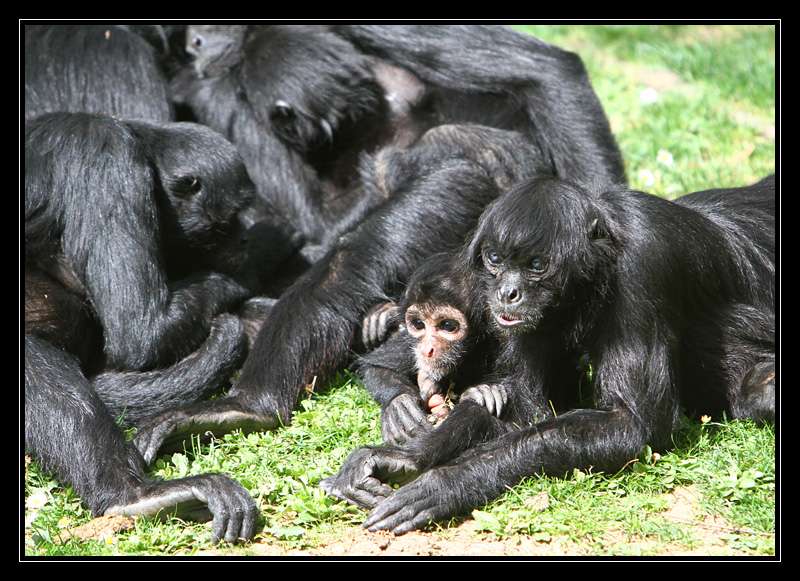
(507, 320)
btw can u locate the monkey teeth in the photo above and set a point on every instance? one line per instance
(507, 320)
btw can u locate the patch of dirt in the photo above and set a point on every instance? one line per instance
(467, 540)
(684, 508)
(658, 79)
(463, 540)
(765, 127)
(99, 529)
(709, 34)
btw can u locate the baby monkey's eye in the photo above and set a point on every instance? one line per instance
(418, 324)
(449, 326)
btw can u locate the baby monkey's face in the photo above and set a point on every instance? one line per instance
(440, 331)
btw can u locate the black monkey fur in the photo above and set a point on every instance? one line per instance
(475, 74)
(674, 302)
(116, 214)
(94, 69)
(452, 172)
(391, 370)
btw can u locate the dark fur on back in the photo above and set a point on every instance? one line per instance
(93, 69)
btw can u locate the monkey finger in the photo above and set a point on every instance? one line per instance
(497, 397)
(473, 394)
(247, 515)
(389, 518)
(219, 524)
(421, 520)
(396, 434)
(327, 130)
(503, 393)
(249, 523)
(365, 338)
(374, 322)
(411, 406)
(427, 388)
(408, 416)
(383, 323)
(234, 527)
(148, 440)
(377, 489)
(368, 333)
(332, 488)
(363, 499)
(488, 398)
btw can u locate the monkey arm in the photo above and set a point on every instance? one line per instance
(579, 439)
(565, 115)
(135, 395)
(602, 439)
(69, 430)
(386, 372)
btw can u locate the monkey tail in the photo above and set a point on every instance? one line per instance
(135, 395)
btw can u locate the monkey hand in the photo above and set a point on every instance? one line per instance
(205, 497)
(378, 321)
(431, 497)
(493, 397)
(363, 476)
(403, 420)
(428, 387)
(168, 430)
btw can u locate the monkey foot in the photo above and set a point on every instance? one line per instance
(167, 432)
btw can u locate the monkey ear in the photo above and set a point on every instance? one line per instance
(597, 229)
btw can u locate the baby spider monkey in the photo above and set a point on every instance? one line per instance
(438, 349)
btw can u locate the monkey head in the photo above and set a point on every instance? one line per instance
(440, 332)
(215, 48)
(535, 251)
(438, 315)
(202, 190)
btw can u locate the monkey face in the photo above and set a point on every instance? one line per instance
(518, 289)
(536, 250)
(202, 187)
(440, 332)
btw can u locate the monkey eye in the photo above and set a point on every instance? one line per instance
(493, 258)
(187, 186)
(197, 41)
(282, 110)
(449, 326)
(418, 324)
(538, 264)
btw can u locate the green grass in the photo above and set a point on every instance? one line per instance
(709, 122)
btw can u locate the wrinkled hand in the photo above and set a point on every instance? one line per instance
(431, 497)
(208, 496)
(362, 479)
(402, 420)
(491, 396)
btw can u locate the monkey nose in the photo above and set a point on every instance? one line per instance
(429, 353)
(508, 295)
